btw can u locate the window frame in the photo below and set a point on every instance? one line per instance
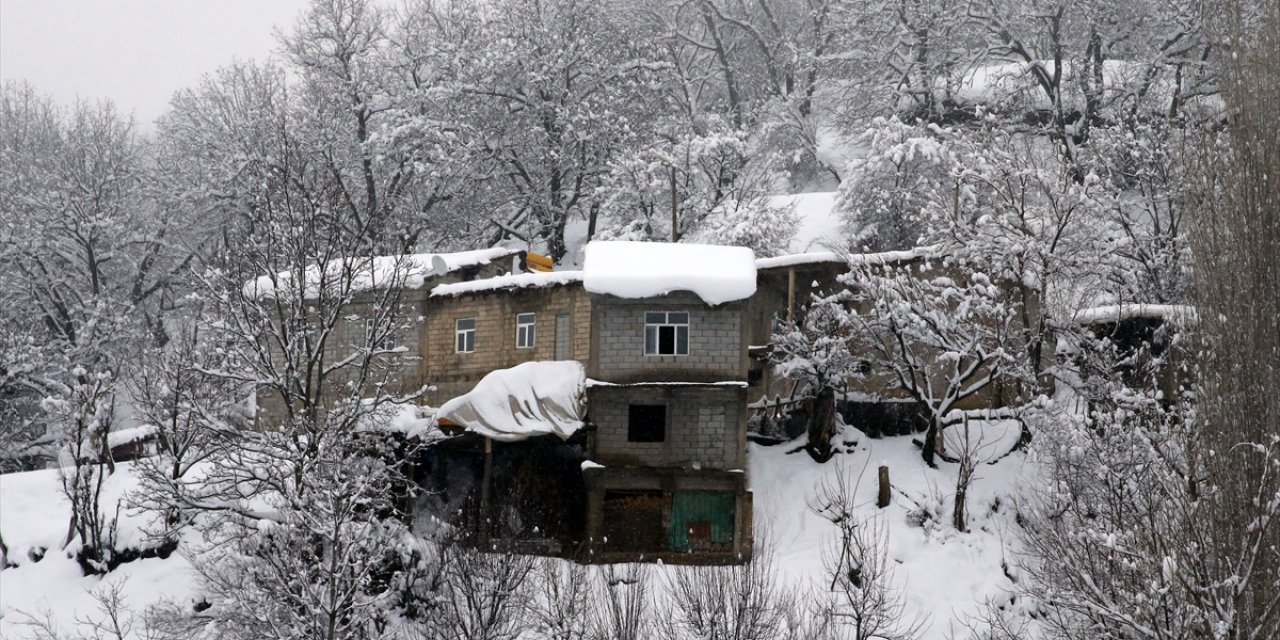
(676, 331)
(464, 339)
(388, 341)
(526, 332)
(304, 330)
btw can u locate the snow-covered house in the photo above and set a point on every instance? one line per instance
(361, 283)
(658, 333)
(1146, 338)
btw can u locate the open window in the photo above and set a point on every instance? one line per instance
(647, 423)
(666, 333)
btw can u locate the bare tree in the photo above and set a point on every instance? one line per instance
(859, 598)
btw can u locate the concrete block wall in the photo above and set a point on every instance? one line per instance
(717, 342)
(705, 426)
(454, 374)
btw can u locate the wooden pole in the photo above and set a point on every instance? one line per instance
(484, 486)
(791, 298)
(882, 499)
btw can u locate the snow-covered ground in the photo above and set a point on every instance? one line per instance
(945, 574)
(33, 522)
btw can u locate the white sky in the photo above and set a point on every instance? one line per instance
(135, 52)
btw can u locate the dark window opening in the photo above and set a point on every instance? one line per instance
(647, 423)
(755, 377)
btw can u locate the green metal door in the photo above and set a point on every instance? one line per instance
(701, 521)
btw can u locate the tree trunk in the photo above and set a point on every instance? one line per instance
(822, 424)
(931, 441)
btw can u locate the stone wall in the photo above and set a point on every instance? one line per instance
(495, 311)
(717, 342)
(705, 426)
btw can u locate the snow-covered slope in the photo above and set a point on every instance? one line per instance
(33, 522)
(945, 574)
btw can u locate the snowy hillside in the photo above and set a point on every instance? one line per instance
(944, 575)
(42, 584)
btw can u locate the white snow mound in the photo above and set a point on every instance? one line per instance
(527, 400)
(717, 274)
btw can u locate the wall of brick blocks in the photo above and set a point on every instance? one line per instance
(717, 343)
(454, 374)
(393, 373)
(705, 426)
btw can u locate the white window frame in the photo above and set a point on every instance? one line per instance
(526, 330)
(388, 341)
(653, 329)
(464, 338)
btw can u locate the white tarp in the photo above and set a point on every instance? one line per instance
(527, 400)
(717, 274)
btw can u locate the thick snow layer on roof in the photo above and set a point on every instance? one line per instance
(725, 383)
(820, 227)
(527, 400)
(1118, 312)
(717, 274)
(857, 259)
(121, 437)
(358, 274)
(512, 281)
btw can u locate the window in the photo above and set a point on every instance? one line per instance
(465, 335)
(647, 423)
(524, 330)
(666, 333)
(303, 333)
(385, 342)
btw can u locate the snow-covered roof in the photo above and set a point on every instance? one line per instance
(819, 226)
(408, 271)
(717, 274)
(527, 400)
(121, 437)
(1118, 312)
(511, 281)
(818, 257)
(725, 383)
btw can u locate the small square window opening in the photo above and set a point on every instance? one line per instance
(647, 423)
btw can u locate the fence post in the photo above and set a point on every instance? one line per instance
(882, 499)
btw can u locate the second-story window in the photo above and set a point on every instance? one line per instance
(303, 333)
(525, 333)
(666, 333)
(465, 335)
(384, 342)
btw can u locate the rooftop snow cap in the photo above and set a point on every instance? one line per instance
(714, 273)
(358, 274)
